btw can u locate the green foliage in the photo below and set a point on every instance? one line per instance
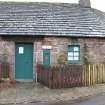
(85, 57)
(61, 59)
(4, 56)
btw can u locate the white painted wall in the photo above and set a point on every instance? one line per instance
(98, 4)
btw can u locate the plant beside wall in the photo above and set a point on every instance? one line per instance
(4, 56)
(4, 64)
(85, 57)
(61, 59)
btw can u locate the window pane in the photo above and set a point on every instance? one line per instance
(70, 58)
(76, 58)
(70, 53)
(70, 48)
(21, 50)
(76, 54)
(76, 48)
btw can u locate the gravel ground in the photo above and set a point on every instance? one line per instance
(27, 92)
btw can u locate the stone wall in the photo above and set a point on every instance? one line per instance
(92, 50)
(7, 53)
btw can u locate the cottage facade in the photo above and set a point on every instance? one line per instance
(50, 34)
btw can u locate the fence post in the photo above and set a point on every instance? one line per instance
(84, 76)
(0, 72)
(103, 73)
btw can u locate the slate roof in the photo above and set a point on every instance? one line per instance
(52, 19)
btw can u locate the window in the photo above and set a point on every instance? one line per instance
(21, 50)
(73, 54)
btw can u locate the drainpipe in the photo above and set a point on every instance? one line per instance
(36, 65)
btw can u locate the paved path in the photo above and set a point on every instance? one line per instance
(39, 103)
(97, 100)
(29, 92)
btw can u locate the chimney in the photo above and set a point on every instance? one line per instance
(85, 3)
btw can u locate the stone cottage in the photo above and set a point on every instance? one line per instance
(49, 33)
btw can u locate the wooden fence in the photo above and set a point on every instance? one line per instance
(71, 75)
(93, 74)
(60, 76)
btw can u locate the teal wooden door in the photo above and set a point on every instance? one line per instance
(24, 61)
(46, 56)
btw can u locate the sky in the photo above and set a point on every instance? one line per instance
(98, 4)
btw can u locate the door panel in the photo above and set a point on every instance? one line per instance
(24, 61)
(46, 56)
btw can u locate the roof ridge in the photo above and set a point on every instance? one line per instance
(28, 2)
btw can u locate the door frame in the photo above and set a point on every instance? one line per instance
(25, 80)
